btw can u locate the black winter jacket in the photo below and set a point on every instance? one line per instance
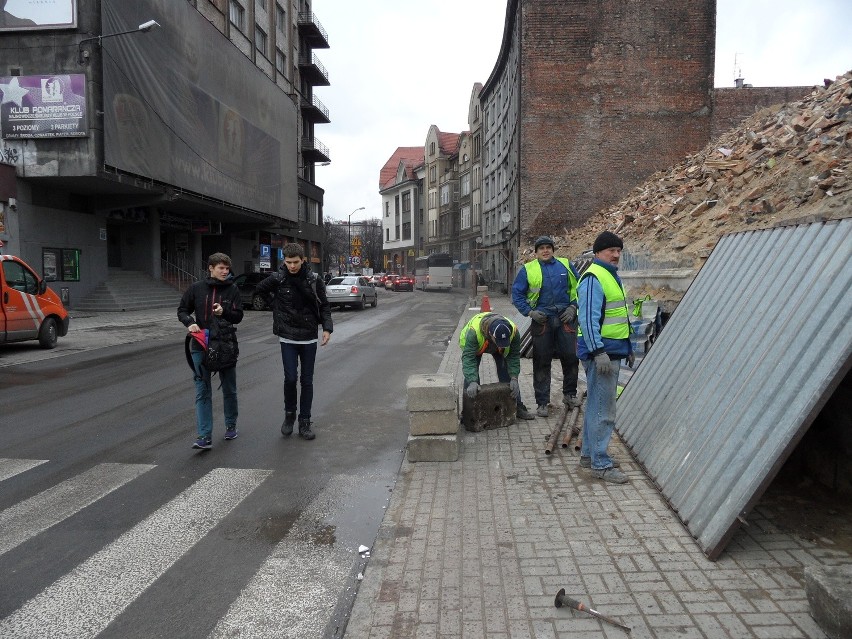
(299, 304)
(199, 298)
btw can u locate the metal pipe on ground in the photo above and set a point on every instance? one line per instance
(564, 600)
(575, 428)
(557, 429)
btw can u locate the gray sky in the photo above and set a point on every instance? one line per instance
(380, 97)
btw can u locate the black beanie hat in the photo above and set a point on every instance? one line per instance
(606, 240)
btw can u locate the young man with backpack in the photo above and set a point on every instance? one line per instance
(212, 344)
(299, 309)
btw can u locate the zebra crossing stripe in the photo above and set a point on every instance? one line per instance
(40, 512)
(85, 601)
(12, 467)
(294, 591)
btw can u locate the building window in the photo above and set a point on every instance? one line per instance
(313, 212)
(465, 217)
(280, 62)
(406, 202)
(433, 174)
(280, 18)
(431, 148)
(465, 184)
(445, 194)
(57, 265)
(260, 40)
(238, 15)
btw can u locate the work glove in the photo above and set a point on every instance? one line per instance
(603, 364)
(514, 388)
(568, 315)
(538, 316)
(472, 390)
(631, 359)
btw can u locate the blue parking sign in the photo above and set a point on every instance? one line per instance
(265, 250)
(280, 254)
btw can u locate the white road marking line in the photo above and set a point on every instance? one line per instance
(294, 592)
(40, 512)
(12, 467)
(86, 600)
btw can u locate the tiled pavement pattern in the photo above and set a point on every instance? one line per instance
(479, 548)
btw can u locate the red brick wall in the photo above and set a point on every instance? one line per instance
(611, 91)
(732, 106)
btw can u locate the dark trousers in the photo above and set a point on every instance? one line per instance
(291, 356)
(553, 338)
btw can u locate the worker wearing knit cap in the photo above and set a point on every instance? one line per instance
(546, 291)
(603, 340)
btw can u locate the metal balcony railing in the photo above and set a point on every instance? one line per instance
(311, 67)
(314, 103)
(312, 29)
(314, 149)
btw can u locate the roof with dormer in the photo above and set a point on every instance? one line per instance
(409, 156)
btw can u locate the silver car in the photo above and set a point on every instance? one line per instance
(351, 290)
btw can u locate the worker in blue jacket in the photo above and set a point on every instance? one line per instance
(603, 341)
(546, 291)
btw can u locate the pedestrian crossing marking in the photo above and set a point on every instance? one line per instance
(11, 467)
(297, 585)
(40, 512)
(86, 600)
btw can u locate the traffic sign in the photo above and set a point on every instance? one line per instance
(356, 260)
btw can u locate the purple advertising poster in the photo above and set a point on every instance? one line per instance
(24, 15)
(43, 106)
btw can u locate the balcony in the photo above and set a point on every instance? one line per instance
(312, 70)
(314, 151)
(312, 31)
(314, 110)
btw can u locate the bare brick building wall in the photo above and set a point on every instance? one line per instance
(611, 91)
(731, 106)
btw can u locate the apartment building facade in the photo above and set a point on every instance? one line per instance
(140, 147)
(401, 190)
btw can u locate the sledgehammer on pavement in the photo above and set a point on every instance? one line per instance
(564, 600)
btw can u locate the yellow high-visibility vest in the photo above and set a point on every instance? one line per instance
(535, 278)
(616, 321)
(475, 323)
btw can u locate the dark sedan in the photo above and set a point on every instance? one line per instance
(246, 283)
(403, 283)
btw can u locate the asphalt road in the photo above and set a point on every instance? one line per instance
(112, 526)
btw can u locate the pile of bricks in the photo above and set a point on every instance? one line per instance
(433, 418)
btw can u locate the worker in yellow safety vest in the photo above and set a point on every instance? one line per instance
(545, 290)
(603, 340)
(498, 336)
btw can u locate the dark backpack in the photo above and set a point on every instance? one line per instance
(222, 349)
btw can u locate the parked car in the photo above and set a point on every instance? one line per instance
(389, 281)
(247, 283)
(403, 283)
(378, 279)
(28, 308)
(351, 290)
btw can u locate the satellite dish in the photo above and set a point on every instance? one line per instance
(505, 217)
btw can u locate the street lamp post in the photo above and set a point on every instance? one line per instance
(83, 55)
(349, 255)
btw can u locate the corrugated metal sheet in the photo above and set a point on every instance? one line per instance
(749, 357)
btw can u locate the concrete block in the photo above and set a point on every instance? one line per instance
(433, 422)
(432, 392)
(492, 408)
(829, 591)
(436, 448)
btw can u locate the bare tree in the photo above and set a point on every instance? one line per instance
(335, 245)
(371, 243)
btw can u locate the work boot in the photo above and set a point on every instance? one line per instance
(586, 462)
(542, 411)
(572, 400)
(524, 413)
(287, 425)
(305, 431)
(612, 475)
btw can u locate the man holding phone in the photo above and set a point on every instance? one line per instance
(214, 300)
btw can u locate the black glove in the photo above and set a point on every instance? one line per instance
(568, 315)
(538, 316)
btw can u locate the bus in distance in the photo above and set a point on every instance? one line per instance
(433, 272)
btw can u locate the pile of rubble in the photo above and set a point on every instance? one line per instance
(785, 163)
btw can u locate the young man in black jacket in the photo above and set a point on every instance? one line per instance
(215, 300)
(299, 308)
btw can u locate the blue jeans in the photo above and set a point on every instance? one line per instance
(204, 396)
(502, 374)
(549, 339)
(599, 420)
(291, 355)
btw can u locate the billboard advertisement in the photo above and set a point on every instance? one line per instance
(43, 106)
(183, 106)
(24, 15)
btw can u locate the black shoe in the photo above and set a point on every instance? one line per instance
(305, 431)
(524, 413)
(204, 443)
(287, 425)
